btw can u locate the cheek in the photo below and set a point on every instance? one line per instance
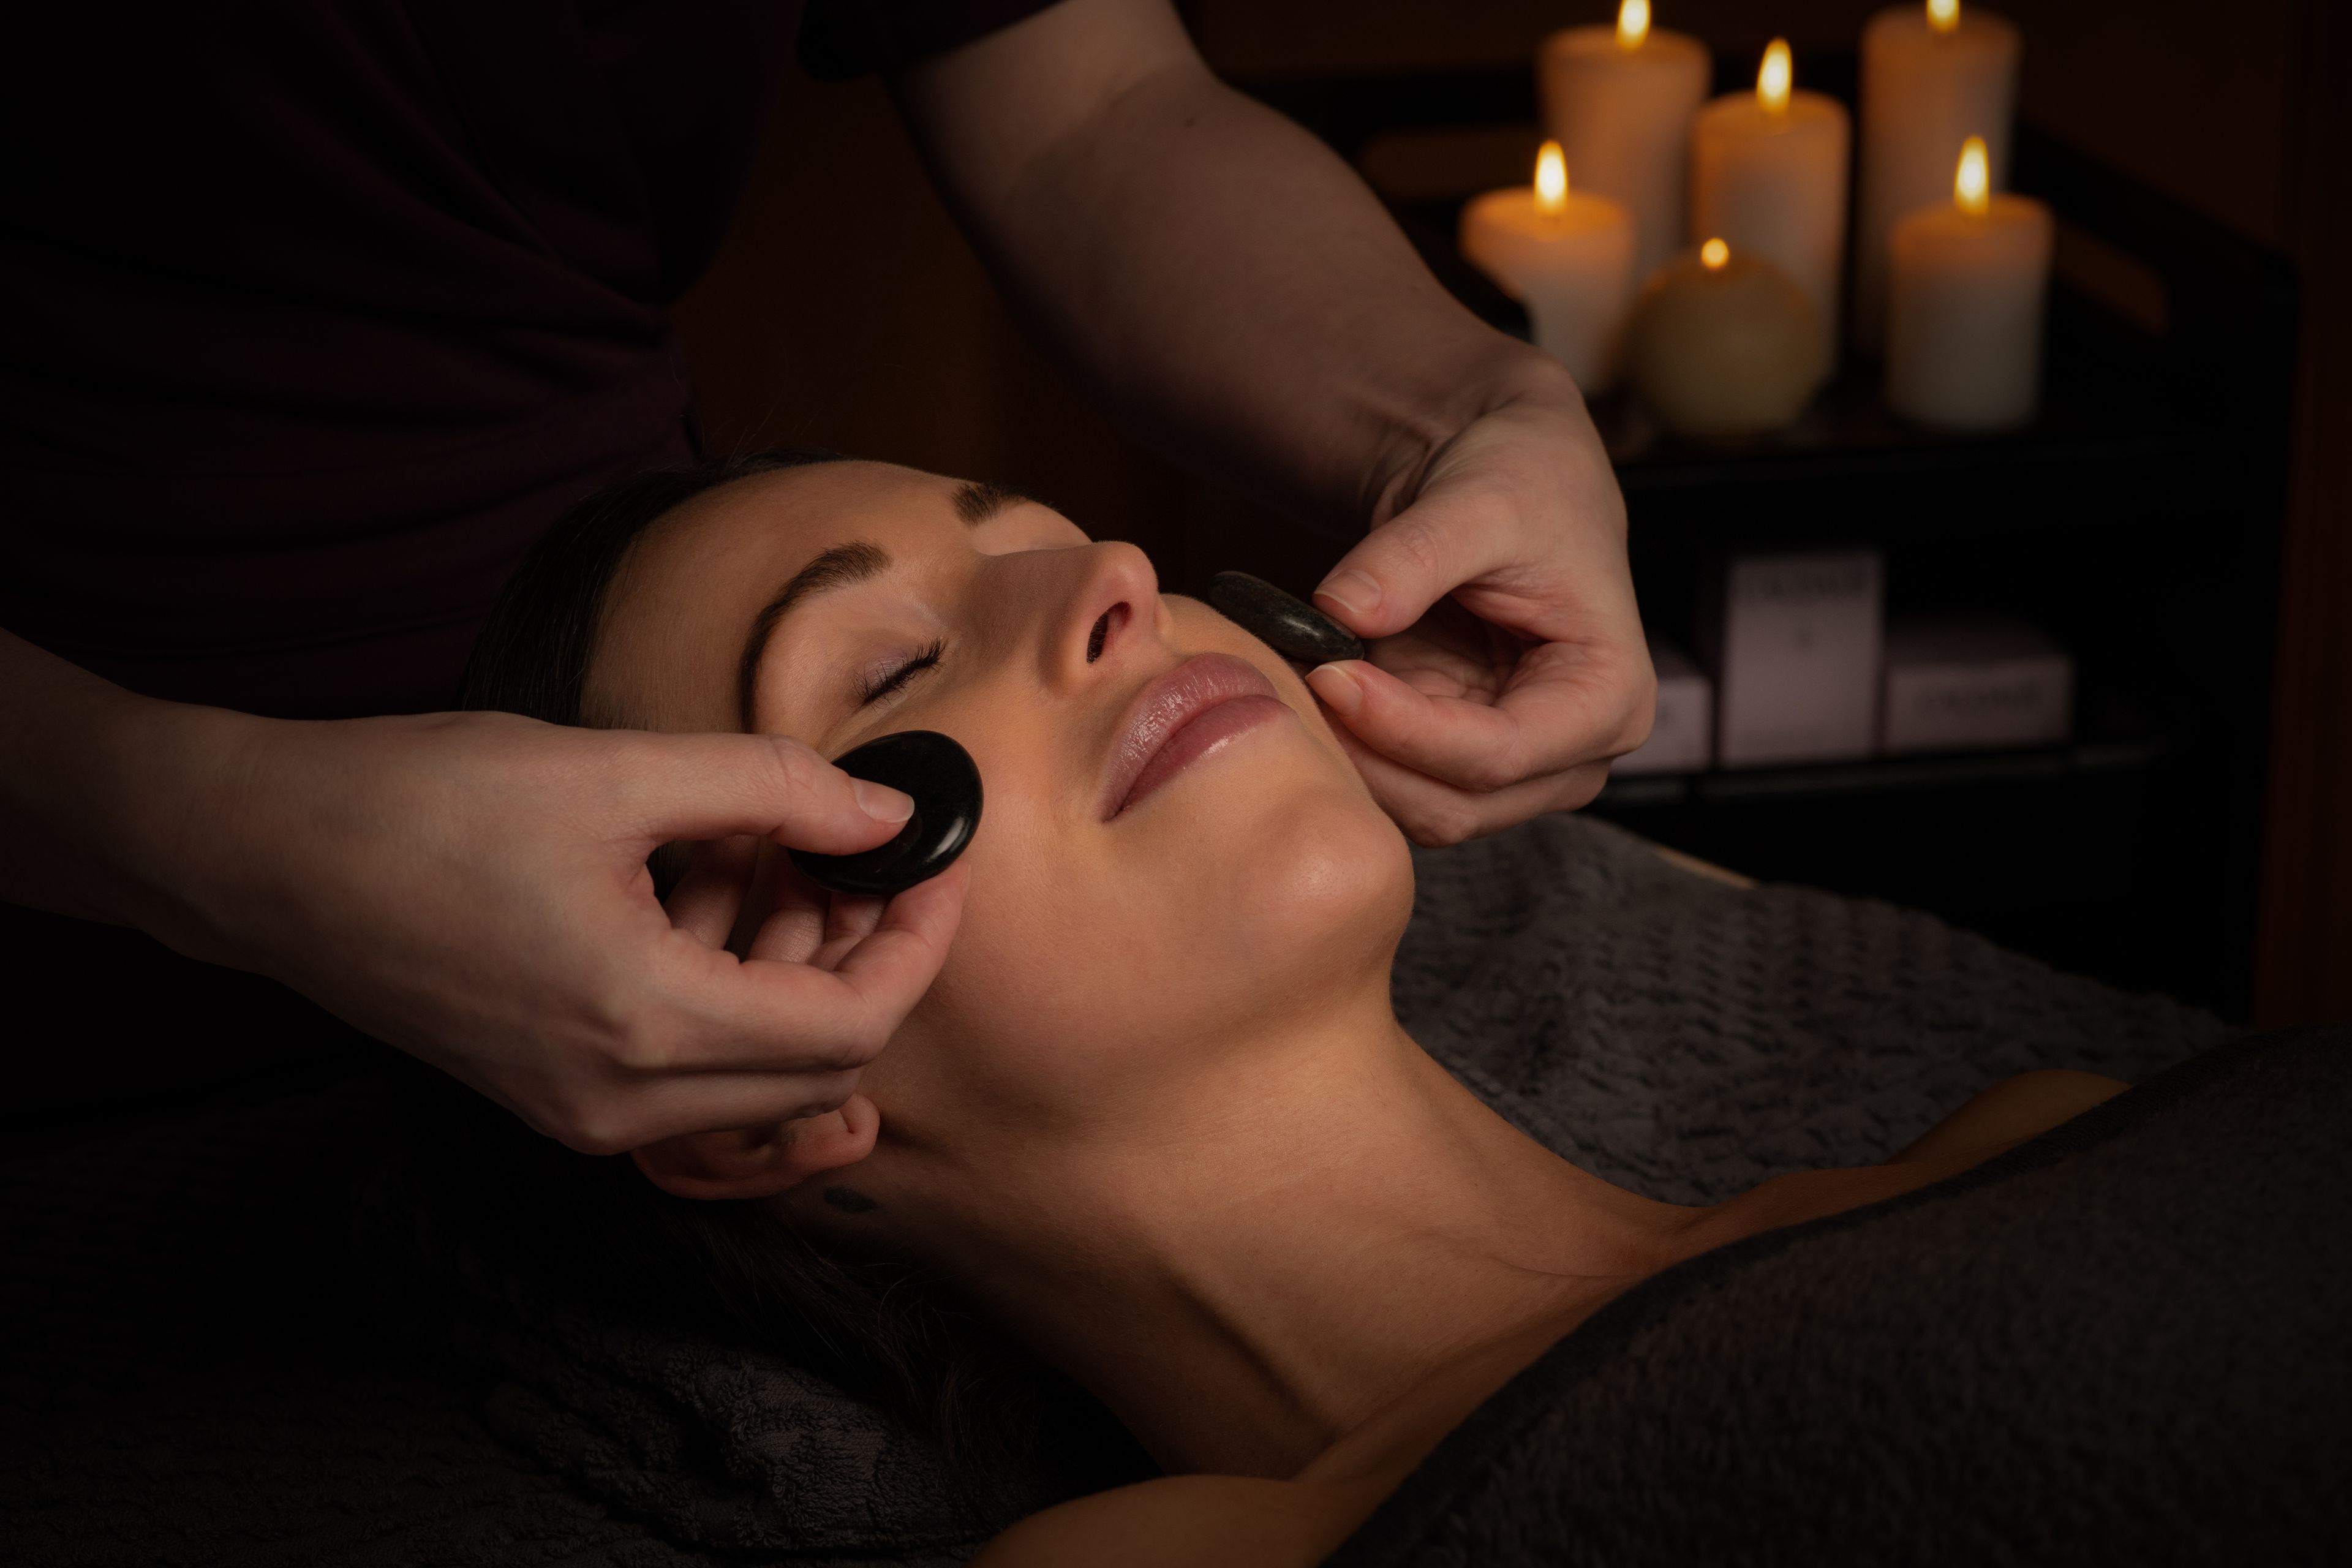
(1089, 959)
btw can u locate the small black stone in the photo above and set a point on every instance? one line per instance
(940, 775)
(1291, 627)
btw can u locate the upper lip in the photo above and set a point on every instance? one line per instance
(1166, 705)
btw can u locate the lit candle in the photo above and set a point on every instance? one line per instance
(1725, 343)
(1932, 76)
(1966, 283)
(1768, 174)
(1620, 101)
(1567, 256)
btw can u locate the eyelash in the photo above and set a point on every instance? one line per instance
(903, 674)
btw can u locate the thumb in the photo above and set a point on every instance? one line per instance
(1403, 567)
(715, 786)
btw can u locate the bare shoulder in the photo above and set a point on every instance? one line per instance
(1188, 1520)
(2014, 1111)
(1999, 1119)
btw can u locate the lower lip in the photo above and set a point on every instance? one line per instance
(1207, 733)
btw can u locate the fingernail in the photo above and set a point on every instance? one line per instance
(882, 803)
(1353, 592)
(1338, 688)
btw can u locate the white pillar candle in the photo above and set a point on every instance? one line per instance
(1567, 256)
(1618, 102)
(1768, 174)
(1932, 77)
(1966, 283)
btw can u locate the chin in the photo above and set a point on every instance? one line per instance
(1327, 873)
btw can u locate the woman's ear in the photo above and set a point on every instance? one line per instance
(761, 1162)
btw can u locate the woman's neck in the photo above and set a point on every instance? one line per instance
(1287, 1257)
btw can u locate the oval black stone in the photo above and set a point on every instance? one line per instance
(1291, 627)
(940, 776)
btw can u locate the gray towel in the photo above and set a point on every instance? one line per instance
(1687, 1039)
(2125, 1341)
(1669, 1032)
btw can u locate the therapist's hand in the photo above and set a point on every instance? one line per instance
(472, 888)
(1506, 662)
(1234, 290)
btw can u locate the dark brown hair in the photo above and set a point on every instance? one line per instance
(532, 654)
(595, 1225)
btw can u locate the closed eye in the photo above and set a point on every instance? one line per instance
(904, 673)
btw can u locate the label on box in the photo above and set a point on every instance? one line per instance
(1958, 686)
(1682, 739)
(1798, 663)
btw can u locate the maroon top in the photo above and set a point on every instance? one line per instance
(314, 313)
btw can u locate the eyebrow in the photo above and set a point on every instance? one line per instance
(859, 561)
(981, 500)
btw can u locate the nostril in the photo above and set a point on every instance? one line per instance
(1101, 633)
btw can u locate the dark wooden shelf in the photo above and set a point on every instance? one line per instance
(1884, 775)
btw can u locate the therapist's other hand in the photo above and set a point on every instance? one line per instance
(1506, 664)
(473, 889)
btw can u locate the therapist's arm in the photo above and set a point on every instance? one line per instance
(472, 888)
(1247, 303)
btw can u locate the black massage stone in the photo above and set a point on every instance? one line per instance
(940, 775)
(1291, 627)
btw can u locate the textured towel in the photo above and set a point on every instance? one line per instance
(2125, 1341)
(189, 1378)
(1687, 1039)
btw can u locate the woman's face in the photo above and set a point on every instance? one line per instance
(1135, 908)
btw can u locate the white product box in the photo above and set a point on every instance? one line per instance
(1958, 684)
(1796, 658)
(1682, 741)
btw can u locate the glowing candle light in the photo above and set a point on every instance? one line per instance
(1972, 182)
(1633, 23)
(1772, 78)
(1968, 280)
(1713, 255)
(1618, 102)
(1551, 180)
(1931, 74)
(1567, 256)
(1769, 176)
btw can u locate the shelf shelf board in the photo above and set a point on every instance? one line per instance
(1882, 775)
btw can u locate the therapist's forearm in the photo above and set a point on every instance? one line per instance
(92, 779)
(1218, 271)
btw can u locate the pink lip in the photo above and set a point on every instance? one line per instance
(1196, 708)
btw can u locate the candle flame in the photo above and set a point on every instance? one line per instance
(1972, 186)
(1633, 23)
(1944, 15)
(1712, 255)
(1772, 79)
(1551, 180)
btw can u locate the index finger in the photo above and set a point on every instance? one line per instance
(771, 786)
(1563, 708)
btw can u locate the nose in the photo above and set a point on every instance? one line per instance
(1110, 602)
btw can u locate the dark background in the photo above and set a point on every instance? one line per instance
(2232, 110)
